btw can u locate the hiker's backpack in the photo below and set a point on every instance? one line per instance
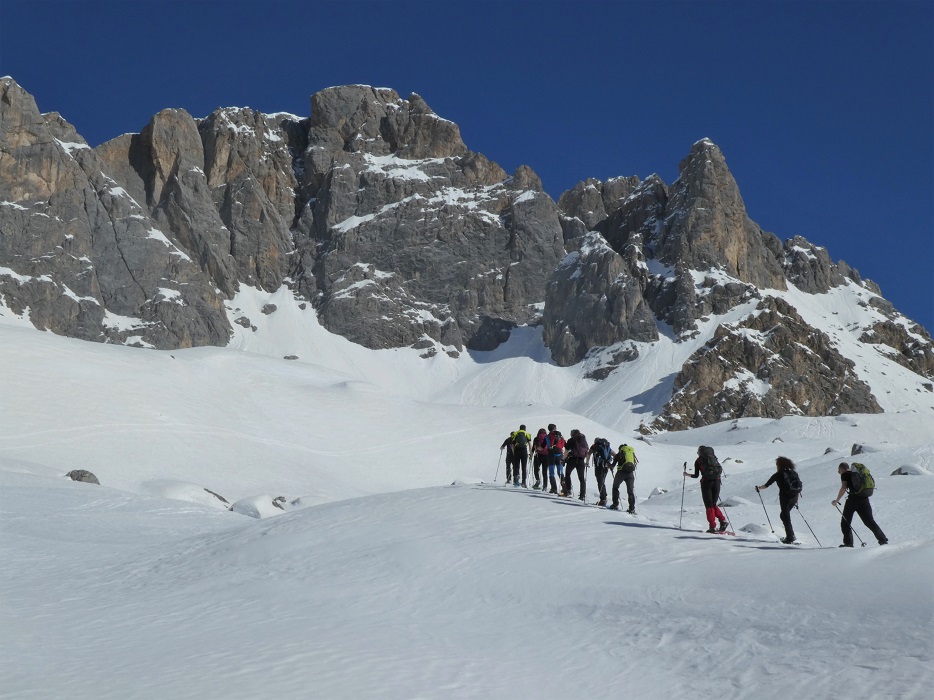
(792, 480)
(521, 439)
(580, 446)
(555, 444)
(626, 458)
(602, 451)
(862, 483)
(712, 471)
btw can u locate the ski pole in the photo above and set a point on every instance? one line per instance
(497, 464)
(809, 527)
(683, 479)
(767, 512)
(728, 521)
(852, 529)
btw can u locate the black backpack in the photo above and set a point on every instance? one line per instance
(521, 440)
(792, 480)
(712, 471)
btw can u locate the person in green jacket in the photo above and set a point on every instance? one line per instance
(625, 463)
(521, 439)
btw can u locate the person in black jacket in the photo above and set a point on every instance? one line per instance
(510, 457)
(576, 450)
(855, 503)
(707, 466)
(789, 489)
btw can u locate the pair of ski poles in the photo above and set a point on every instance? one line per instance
(799, 513)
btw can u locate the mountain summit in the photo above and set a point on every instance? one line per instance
(374, 213)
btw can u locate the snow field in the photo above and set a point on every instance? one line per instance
(397, 570)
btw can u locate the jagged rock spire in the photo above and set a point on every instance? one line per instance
(706, 224)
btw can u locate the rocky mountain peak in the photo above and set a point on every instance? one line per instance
(373, 212)
(359, 118)
(707, 226)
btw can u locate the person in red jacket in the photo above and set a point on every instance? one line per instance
(555, 457)
(707, 466)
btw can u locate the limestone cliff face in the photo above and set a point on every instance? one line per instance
(79, 255)
(407, 237)
(375, 212)
(593, 300)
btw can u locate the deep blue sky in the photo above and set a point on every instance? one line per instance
(823, 109)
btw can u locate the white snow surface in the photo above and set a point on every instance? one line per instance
(398, 568)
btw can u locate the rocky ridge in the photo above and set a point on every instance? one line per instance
(375, 212)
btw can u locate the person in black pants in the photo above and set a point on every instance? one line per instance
(510, 457)
(576, 451)
(602, 454)
(789, 489)
(540, 459)
(855, 503)
(625, 463)
(521, 439)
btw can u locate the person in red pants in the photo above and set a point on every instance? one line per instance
(708, 468)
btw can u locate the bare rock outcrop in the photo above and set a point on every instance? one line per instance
(593, 300)
(411, 238)
(909, 345)
(79, 255)
(771, 365)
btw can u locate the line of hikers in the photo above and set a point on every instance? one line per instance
(555, 460)
(562, 458)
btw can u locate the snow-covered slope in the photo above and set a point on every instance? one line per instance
(392, 571)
